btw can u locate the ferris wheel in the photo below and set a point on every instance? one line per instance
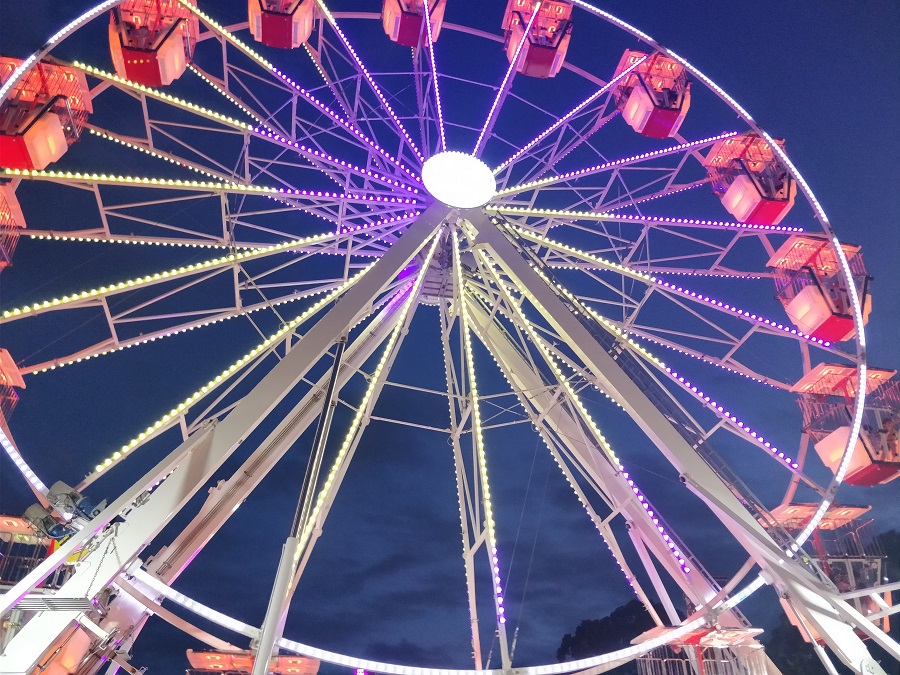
(554, 229)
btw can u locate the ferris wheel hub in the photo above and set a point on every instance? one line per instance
(458, 180)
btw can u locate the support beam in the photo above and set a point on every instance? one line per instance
(149, 516)
(786, 572)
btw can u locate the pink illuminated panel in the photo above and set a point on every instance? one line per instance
(545, 46)
(404, 20)
(285, 24)
(654, 97)
(152, 41)
(43, 114)
(751, 182)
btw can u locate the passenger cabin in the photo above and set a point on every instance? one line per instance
(844, 548)
(10, 380)
(826, 403)
(809, 283)
(239, 663)
(43, 114)
(544, 48)
(12, 222)
(21, 550)
(285, 24)
(722, 652)
(751, 181)
(404, 20)
(654, 97)
(152, 41)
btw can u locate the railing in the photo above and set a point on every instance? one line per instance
(662, 401)
(17, 560)
(710, 661)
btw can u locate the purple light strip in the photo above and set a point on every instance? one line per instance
(744, 314)
(219, 30)
(665, 193)
(370, 79)
(754, 437)
(704, 359)
(578, 173)
(574, 111)
(654, 517)
(509, 71)
(705, 223)
(434, 76)
(372, 226)
(324, 156)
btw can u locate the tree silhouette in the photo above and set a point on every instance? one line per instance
(598, 636)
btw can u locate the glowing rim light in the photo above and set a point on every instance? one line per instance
(459, 180)
(393, 669)
(804, 187)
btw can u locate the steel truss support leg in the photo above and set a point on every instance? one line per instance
(192, 464)
(819, 605)
(227, 496)
(568, 429)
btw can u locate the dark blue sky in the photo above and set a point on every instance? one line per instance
(825, 77)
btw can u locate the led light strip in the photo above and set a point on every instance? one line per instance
(153, 153)
(318, 154)
(20, 462)
(362, 409)
(604, 444)
(162, 96)
(169, 183)
(135, 342)
(513, 210)
(244, 109)
(573, 396)
(129, 239)
(663, 285)
(645, 504)
(130, 284)
(628, 653)
(247, 51)
(384, 102)
(579, 173)
(650, 198)
(478, 440)
(574, 111)
(162, 423)
(434, 75)
(752, 436)
(513, 62)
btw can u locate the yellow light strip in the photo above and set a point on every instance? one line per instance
(362, 411)
(152, 153)
(478, 439)
(130, 239)
(560, 376)
(130, 284)
(128, 344)
(588, 257)
(137, 180)
(256, 118)
(164, 97)
(182, 408)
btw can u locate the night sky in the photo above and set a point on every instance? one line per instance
(386, 580)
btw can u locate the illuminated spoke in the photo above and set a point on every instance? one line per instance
(434, 74)
(692, 146)
(505, 86)
(371, 81)
(605, 89)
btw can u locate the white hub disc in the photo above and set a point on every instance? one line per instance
(458, 180)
